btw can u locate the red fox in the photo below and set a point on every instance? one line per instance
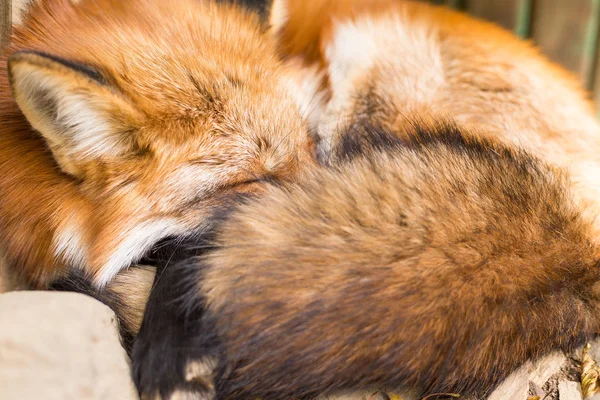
(128, 120)
(416, 258)
(460, 203)
(421, 264)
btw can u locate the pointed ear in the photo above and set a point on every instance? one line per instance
(278, 15)
(82, 117)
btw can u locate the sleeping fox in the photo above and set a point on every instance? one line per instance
(460, 203)
(122, 122)
(432, 261)
(413, 259)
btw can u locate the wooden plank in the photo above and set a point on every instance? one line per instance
(502, 12)
(592, 48)
(5, 22)
(511, 14)
(567, 32)
(457, 4)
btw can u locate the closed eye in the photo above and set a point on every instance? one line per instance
(235, 187)
(261, 179)
(206, 161)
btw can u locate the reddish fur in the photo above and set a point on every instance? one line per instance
(432, 61)
(423, 267)
(215, 97)
(304, 306)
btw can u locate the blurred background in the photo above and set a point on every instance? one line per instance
(568, 31)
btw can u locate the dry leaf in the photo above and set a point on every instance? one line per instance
(533, 398)
(394, 396)
(589, 374)
(436, 395)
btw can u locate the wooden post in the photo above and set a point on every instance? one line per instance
(567, 32)
(503, 12)
(5, 21)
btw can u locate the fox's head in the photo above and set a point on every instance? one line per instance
(158, 110)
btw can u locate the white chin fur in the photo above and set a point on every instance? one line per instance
(134, 244)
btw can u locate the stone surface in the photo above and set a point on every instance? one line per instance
(569, 390)
(516, 386)
(545, 368)
(543, 374)
(60, 346)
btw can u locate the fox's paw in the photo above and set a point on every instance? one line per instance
(175, 355)
(167, 366)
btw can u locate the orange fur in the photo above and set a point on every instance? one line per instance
(419, 265)
(395, 59)
(427, 262)
(192, 104)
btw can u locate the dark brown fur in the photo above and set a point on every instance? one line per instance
(443, 266)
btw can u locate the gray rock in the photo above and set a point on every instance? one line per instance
(60, 346)
(545, 368)
(518, 384)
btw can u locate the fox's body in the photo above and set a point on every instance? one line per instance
(423, 267)
(435, 263)
(453, 211)
(389, 60)
(460, 205)
(131, 120)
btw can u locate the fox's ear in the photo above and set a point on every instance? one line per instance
(82, 117)
(278, 15)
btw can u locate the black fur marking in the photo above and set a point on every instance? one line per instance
(361, 140)
(262, 7)
(448, 134)
(177, 329)
(78, 282)
(87, 70)
(365, 134)
(46, 104)
(365, 137)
